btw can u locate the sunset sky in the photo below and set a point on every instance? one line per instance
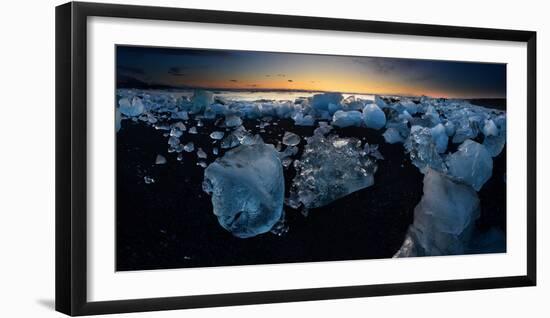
(143, 67)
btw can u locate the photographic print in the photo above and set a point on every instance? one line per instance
(228, 157)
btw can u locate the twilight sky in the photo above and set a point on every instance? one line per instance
(143, 67)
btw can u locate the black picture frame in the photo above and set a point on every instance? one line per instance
(71, 157)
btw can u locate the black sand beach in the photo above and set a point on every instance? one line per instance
(170, 224)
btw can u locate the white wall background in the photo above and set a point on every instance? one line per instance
(27, 158)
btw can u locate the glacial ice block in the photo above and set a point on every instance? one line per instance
(322, 101)
(423, 151)
(330, 168)
(471, 164)
(201, 99)
(374, 116)
(347, 119)
(392, 136)
(443, 218)
(131, 108)
(440, 138)
(247, 188)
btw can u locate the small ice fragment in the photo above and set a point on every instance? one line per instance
(291, 139)
(182, 115)
(179, 125)
(230, 141)
(201, 154)
(160, 160)
(148, 180)
(392, 136)
(490, 129)
(217, 135)
(215, 151)
(193, 130)
(173, 141)
(374, 116)
(174, 132)
(202, 164)
(233, 121)
(179, 157)
(189, 147)
(372, 150)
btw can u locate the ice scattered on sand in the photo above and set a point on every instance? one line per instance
(291, 139)
(247, 188)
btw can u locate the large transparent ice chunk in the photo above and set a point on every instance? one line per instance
(330, 168)
(131, 108)
(423, 151)
(471, 164)
(247, 188)
(443, 218)
(374, 116)
(347, 119)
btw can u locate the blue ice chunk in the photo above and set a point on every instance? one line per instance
(247, 188)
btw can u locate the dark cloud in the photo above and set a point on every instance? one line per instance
(281, 75)
(290, 81)
(233, 80)
(130, 69)
(176, 71)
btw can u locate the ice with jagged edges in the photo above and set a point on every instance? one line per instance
(471, 164)
(247, 188)
(131, 108)
(392, 136)
(330, 168)
(440, 138)
(423, 151)
(322, 101)
(201, 99)
(443, 219)
(374, 117)
(347, 118)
